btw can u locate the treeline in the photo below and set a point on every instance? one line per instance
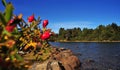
(110, 32)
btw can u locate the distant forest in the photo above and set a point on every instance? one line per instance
(110, 32)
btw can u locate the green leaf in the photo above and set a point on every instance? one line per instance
(8, 12)
(4, 3)
(12, 57)
(18, 57)
(5, 32)
(2, 19)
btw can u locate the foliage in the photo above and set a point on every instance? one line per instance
(110, 32)
(16, 35)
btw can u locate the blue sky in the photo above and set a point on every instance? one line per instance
(70, 13)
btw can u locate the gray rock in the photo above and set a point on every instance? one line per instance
(46, 65)
(60, 59)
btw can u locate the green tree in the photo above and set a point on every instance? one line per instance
(61, 34)
(110, 32)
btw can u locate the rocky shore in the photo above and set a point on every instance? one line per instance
(60, 59)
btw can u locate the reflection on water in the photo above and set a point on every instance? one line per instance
(105, 55)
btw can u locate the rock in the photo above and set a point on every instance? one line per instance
(68, 60)
(90, 60)
(71, 63)
(47, 65)
(55, 65)
(63, 54)
(78, 54)
(60, 59)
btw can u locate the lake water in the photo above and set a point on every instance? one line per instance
(103, 56)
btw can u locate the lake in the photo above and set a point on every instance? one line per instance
(101, 56)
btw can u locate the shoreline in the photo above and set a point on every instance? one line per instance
(89, 41)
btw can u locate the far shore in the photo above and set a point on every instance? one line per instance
(86, 41)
